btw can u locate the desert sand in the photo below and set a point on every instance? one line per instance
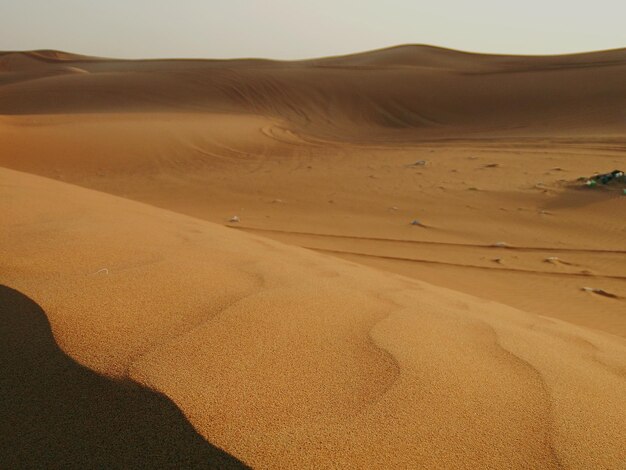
(143, 327)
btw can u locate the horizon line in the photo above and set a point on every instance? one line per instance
(80, 56)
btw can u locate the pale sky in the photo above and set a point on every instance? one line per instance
(293, 29)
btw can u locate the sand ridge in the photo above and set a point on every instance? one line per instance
(471, 95)
(270, 350)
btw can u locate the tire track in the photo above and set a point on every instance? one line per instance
(470, 266)
(430, 242)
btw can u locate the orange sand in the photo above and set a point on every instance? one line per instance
(380, 345)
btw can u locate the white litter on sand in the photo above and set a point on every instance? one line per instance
(595, 290)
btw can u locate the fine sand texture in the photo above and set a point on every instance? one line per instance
(58, 414)
(415, 277)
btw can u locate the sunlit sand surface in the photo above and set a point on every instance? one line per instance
(218, 257)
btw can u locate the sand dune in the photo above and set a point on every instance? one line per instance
(283, 357)
(437, 57)
(323, 329)
(457, 93)
(215, 166)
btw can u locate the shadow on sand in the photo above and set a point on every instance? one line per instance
(55, 413)
(576, 195)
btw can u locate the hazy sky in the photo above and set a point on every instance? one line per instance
(299, 29)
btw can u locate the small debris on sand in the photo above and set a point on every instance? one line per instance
(497, 260)
(500, 245)
(277, 201)
(602, 292)
(492, 165)
(234, 219)
(556, 260)
(417, 222)
(616, 176)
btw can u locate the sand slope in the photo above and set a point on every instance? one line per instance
(472, 342)
(357, 201)
(58, 414)
(284, 357)
(322, 154)
(370, 96)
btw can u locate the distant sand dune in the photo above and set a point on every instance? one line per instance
(460, 93)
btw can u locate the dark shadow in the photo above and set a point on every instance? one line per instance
(55, 413)
(578, 195)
